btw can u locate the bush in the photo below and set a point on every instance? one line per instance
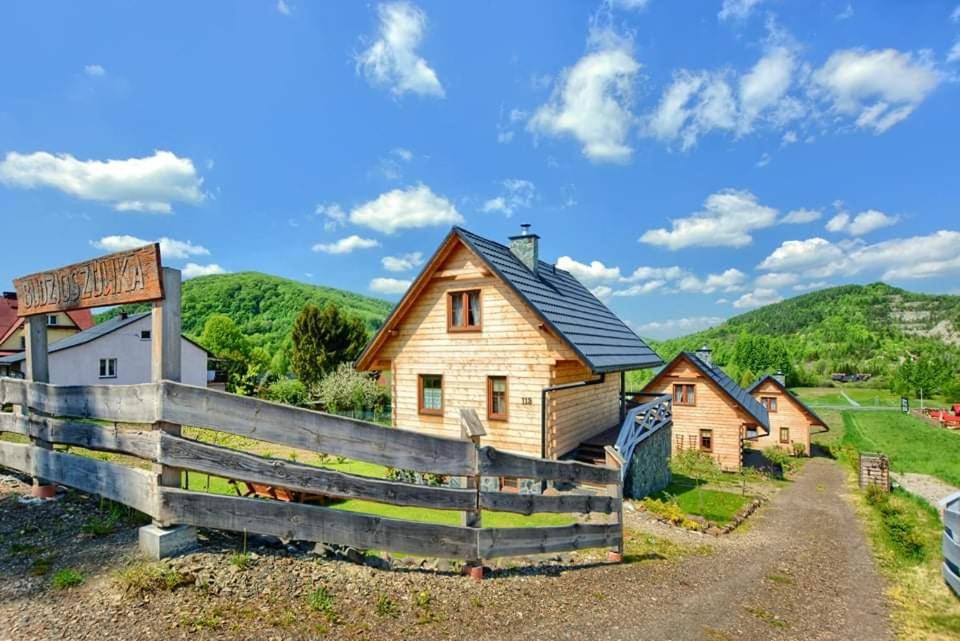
(900, 526)
(778, 456)
(414, 477)
(347, 389)
(671, 512)
(67, 578)
(289, 392)
(799, 450)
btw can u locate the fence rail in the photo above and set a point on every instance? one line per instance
(951, 541)
(65, 414)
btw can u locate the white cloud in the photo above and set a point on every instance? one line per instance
(94, 71)
(695, 103)
(603, 292)
(764, 86)
(729, 281)
(801, 216)
(863, 223)
(593, 273)
(391, 61)
(954, 54)
(410, 208)
(283, 8)
(630, 5)
(150, 184)
(334, 215)
(403, 263)
(677, 326)
(879, 88)
(518, 194)
(640, 290)
(656, 273)
(402, 153)
(917, 257)
(169, 247)
(737, 9)
(764, 160)
(812, 254)
(389, 285)
(789, 137)
(346, 245)
(775, 280)
(846, 13)
(727, 219)
(591, 101)
(192, 270)
(757, 298)
(807, 287)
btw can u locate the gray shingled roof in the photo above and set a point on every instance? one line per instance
(80, 338)
(744, 399)
(601, 339)
(770, 377)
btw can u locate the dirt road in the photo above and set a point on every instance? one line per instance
(800, 570)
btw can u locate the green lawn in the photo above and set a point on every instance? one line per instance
(866, 396)
(714, 505)
(912, 444)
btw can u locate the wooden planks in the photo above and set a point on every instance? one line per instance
(313, 523)
(496, 463)
(500, 542)
(124, 277)
(141, 443)
(315, 431)
(127, 403)
(535, 503)
(191, 455)
(130, 486)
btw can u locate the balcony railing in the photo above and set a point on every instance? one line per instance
(642, 420)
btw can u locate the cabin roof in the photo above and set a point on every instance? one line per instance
(603, 341)
(796, 399)
(88, 335)
(736, 393)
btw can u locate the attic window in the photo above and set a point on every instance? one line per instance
(769, 402)
(684, 394)
(463, 311)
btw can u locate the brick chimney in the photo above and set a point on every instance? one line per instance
(526, 247)
(705, 354)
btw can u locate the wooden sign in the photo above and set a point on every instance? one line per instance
(125, 277)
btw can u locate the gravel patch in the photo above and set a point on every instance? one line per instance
(801, 569)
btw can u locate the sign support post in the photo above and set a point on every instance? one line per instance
(156, 540)
(38, 371)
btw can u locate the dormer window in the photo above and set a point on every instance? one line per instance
(463, 311)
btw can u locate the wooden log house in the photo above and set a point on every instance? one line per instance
(493, 328)
(711, 413)
(791, 421)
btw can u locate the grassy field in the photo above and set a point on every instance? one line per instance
(865, 396)
(912, 444)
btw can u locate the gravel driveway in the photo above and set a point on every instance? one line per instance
(799, 569)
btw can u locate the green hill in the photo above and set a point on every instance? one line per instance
(854, 328)
(263, 306)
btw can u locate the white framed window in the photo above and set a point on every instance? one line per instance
(52, 320)
(108, 368)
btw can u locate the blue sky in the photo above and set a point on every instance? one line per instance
(686, 160)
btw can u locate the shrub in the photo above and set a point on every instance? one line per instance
(67, 578)
(347, 389)
(413, 477)
(799, 450)
(288, 391)
(778, 456)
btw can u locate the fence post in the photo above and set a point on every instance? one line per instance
(156, 540)
(614, 460)
(38, 370)
(471, 429)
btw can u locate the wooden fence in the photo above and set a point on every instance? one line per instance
(951, 541)
(142, 414)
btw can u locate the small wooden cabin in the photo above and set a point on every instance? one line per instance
(791, 420)
(493, 328)
(711, 413)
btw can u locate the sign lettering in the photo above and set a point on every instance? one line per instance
(125, 277)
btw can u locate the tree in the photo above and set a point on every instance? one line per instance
(230, 347)
(347, 389)
(322, 340)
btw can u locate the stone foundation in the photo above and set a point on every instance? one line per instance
(649, 470)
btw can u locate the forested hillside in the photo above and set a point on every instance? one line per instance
(878, 329)
(263, 307)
